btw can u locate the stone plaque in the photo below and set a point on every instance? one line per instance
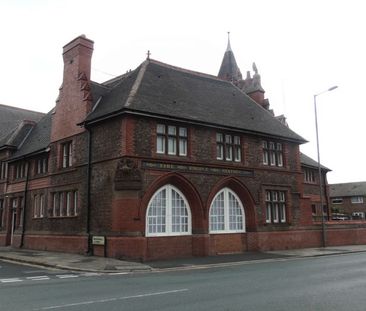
(128, 176)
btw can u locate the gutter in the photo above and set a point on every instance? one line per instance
(24, 206)
(88, 209)
(130, 111)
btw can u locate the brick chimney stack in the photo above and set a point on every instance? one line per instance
(74, 101)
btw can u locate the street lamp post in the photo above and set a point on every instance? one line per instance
(319, 166)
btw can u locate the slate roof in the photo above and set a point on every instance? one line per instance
(162, 90)
(307, 161)
(348, 189)
(11, 118)
(38, 139)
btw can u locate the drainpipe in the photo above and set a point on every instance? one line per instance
(24, 205)
(88, 209)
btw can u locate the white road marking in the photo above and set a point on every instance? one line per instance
(67, 276)
(111, 299)
(118, 273)
(38, 278)
(91, 274)
(12, 280)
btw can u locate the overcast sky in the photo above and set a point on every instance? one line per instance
(301, 48)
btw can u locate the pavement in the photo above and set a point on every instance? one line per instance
(76, 262)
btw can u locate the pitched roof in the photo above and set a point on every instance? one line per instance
(348, 189)
(307, 161)
(38, 139)
(12, 125)
(162, 90)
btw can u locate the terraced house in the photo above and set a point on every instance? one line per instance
(159, 162)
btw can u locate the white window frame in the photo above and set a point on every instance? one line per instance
(227, 229)
(337, 200)
(35, 206)
(357, 199)
(276, 207)
(41, 205)
(183, 141)
(67, 154)
(168, 214)
(237, 149)
(2, 213)
(75, 205)
(272, 153)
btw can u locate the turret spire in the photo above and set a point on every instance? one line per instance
(228, 42)
(229, 70)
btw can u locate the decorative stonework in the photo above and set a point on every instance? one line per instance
(128, 176)
(85, 87)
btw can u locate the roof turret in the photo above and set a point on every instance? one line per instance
(229, 70)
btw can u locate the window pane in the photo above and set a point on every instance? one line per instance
(282, 213)
(220, 152)
(268, 212)
(272, 158)
(157, 213)
(183, 132)
(183, 146)
(217, 218)
(62, 203)
(236, 140)
(265, 157)
(229, 152)
(235, 213)
(172, 130)
(68, 203)
(160, 144)
(228, 139)
(172, 145)
(41, 205)
(35, 206)
(76, 194)
(275, 213)
(237, 153)
(179, 213)
(279, 159)
(219, 138)
(160, 129)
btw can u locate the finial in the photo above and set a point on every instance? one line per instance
(255, 69)
(148, 54)
(228, 42)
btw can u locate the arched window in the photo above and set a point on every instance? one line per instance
(226, 213)
(168, 213)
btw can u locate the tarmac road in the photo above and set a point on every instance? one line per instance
(335, 282)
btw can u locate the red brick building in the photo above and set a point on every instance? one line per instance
(348, 200)
(159, 162)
